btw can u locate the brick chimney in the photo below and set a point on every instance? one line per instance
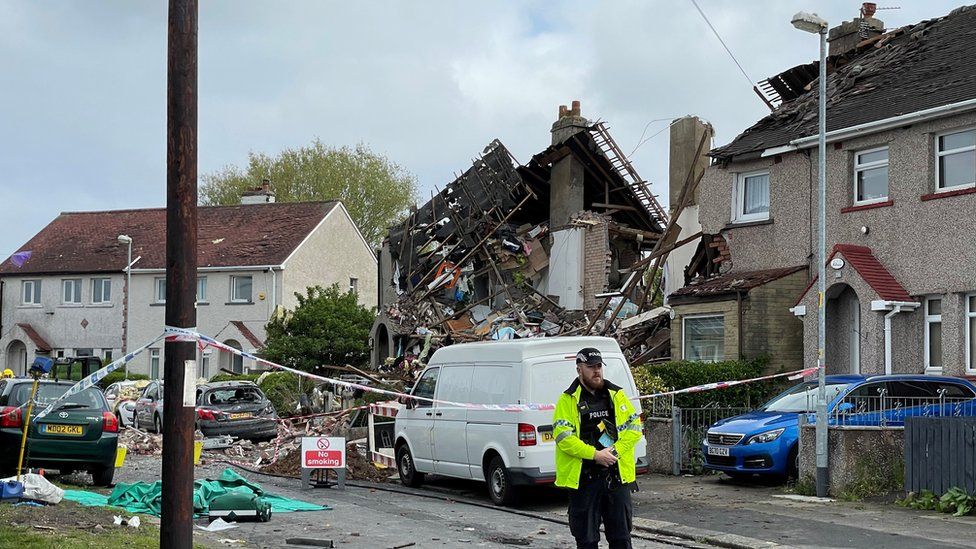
(570, 122)
(259, 195)
(844, 37)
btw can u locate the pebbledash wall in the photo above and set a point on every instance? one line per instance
(923, 238)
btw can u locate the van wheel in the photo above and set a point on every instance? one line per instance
(500, 486)
(409, 476)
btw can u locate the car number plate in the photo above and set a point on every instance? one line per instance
(546, 435)
(62, 429)
(718, 451)
(242, 415)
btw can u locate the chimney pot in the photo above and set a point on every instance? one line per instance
(266, 184)
(563, 111)
(576, 108)
(868, 9)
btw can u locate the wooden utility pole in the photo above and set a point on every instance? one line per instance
(176, 530)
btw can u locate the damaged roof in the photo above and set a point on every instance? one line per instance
(910, 69)
(731, 283)
(227, 236)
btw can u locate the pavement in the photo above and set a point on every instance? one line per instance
(691, 512)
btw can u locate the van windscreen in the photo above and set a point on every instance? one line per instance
(548, 379)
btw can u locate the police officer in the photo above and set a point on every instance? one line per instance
(596, 429)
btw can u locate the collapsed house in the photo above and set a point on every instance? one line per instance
(541, 249)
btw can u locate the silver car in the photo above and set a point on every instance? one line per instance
(121, 397)
(149, 408)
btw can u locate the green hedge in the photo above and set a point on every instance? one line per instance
(235, 377)
(119, 375)
(683, 373)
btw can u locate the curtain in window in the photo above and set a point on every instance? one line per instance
(756, 194)
(705, 339)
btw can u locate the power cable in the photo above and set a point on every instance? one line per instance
(705, 17)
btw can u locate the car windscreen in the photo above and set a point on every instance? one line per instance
(232, 395)
(49, 392)
(802, 398)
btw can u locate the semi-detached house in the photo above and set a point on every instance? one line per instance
(69, 298)
(901, 213)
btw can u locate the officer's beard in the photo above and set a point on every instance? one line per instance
(592, 385)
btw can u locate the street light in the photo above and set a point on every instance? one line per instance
(812, 23)
(126, 239)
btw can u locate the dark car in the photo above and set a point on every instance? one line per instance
(81, 434)
(236, 408)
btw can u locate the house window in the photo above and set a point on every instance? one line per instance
(201, 289)
(933, 334)
(59, 353)
(955, 156)
(971, 333)
(354, 285)
(107, 355)
(703, 338)
(153, 363)
(160, 290)
(240, 289)
(101, 290)
(71, 291)
(31, 292)
(205, 366)
(751, 200)
(871, 176)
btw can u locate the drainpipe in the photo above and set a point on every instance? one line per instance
(738, 302)
(274, 291)
(894, 307)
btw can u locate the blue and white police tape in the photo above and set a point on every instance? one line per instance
(96, 376)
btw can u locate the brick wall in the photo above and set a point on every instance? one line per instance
(768, 325)
(596, 268)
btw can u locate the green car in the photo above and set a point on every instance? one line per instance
(82, 434)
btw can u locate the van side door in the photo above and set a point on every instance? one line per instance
(418, 420)
(450, 422)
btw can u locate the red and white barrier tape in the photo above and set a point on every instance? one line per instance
(796, 374)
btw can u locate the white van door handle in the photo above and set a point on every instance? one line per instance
(428, 414)
(438, 414)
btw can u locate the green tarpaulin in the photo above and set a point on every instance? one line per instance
(145, 498)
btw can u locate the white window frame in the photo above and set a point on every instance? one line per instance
(929, 320)
(353, 285)
(970, 314)
(939, 154)
(858, 167)
(102, 282)
(75, 294)
(202, 283)
(233, 289)
(738, 198)
(155, 358)
(684, 333)
(108, 355)
(35, 292)
(159, 281)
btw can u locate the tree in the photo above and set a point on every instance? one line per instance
(328, 328)
(376, 191)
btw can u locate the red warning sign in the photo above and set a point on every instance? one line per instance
(323, 452)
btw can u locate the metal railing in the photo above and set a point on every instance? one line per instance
(887, 410)
(690, 427)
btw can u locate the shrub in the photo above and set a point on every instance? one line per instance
(235, 377)
(118, 375)
(682, 374)
(283, 391)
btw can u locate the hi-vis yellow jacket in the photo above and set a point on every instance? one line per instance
(571, 450)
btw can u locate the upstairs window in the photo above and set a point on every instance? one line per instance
(201, 289)
(240, 289)
(871, 176)
(159, 289)
(354, 285)
(101, 290)
(751, 197)
(955, 165)
(71, 291)
(31, 292)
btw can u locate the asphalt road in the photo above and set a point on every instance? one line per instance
(371, 517)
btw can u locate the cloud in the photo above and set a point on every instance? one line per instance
(427, 83)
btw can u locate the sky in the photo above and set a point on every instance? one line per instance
(426, 83)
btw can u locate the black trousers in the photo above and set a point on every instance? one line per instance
(601, 497)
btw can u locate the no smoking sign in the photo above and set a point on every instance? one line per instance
(323, 452)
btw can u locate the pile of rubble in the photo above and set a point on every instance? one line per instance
(141, 443)
(510, 251)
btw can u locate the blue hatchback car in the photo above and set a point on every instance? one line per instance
(765, 441)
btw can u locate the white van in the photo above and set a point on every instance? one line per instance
(504, 448)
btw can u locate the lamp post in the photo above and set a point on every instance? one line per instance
(810, 22)
(126, 239)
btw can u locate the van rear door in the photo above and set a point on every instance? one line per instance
(448, 443)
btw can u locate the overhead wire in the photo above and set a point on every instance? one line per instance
(724, 45)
